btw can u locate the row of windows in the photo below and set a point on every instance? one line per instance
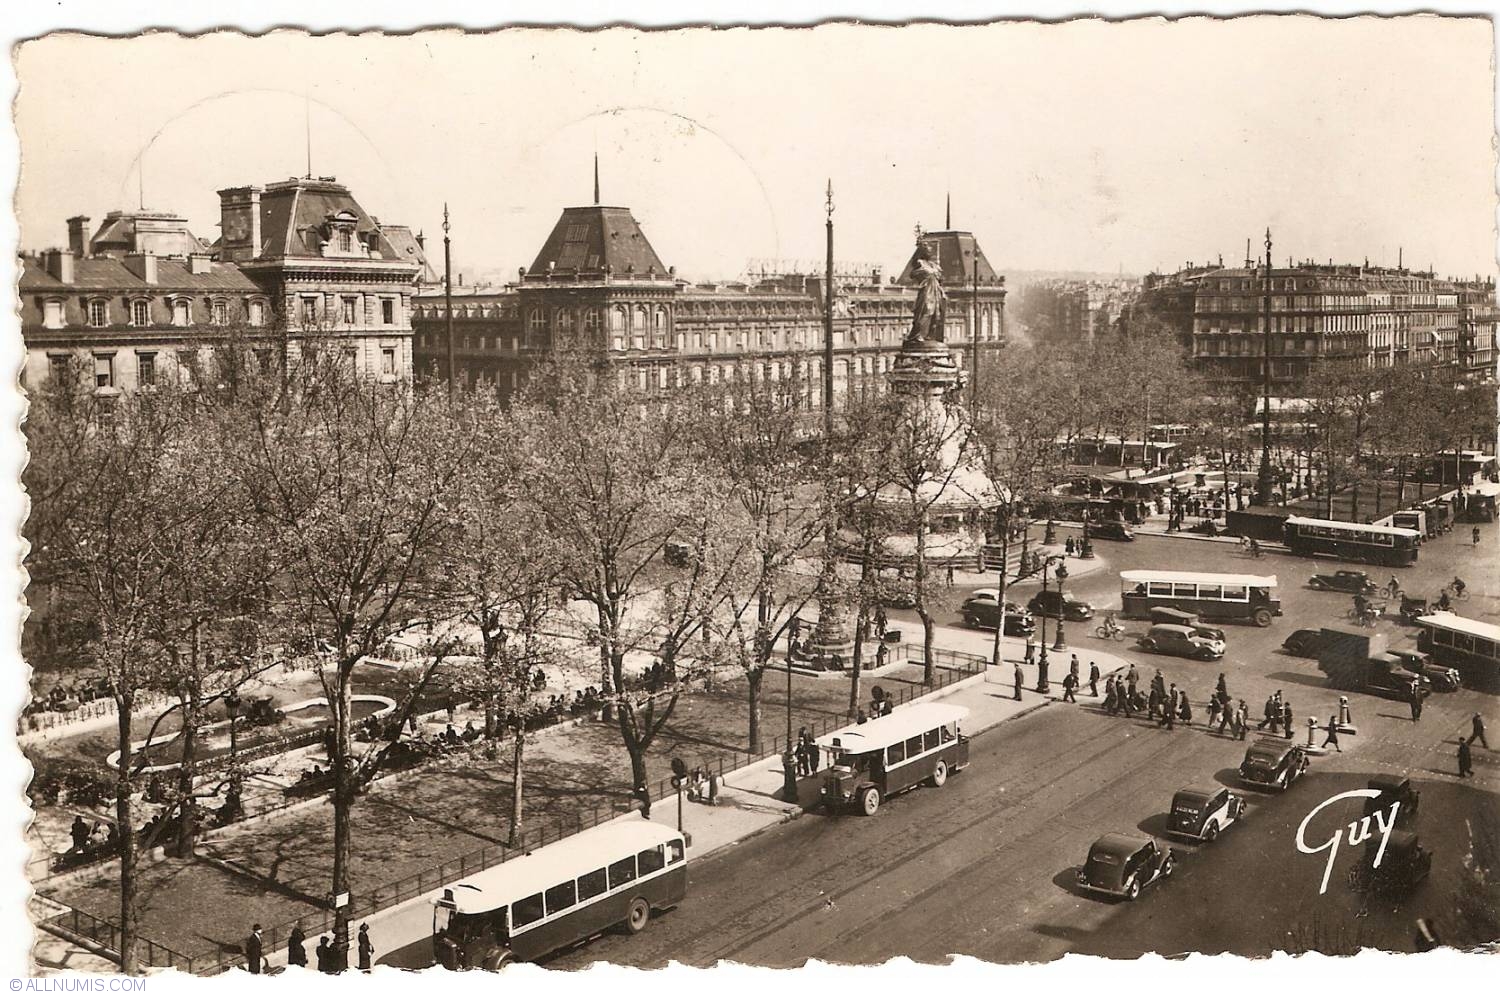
(1342, 535)
(917, 744)
(1196, 591)
(350, 311)
(138, 312)
(559, 899)
(146, 365)
(1463, 642)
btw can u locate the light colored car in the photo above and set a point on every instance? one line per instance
(1201, 813)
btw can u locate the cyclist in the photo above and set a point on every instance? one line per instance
(1394, 587)
(1111, 627)
(1254, 549)
(1476, 537)
(1444, 604)
(1458, 586)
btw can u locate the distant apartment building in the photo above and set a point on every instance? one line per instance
(1068, 310)
(143, 297)
(1325, 313)
(598, 279)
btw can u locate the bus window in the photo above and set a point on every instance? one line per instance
(1484, 647)
(1210, 591)
(622, 872)
(561, 897)
(1442, 636)
(1160, 589)
(932, 739)
(651, 860)
(947, 733)
(1184, 590)
(675, 853)
(914, 746)
(527, 910)
(1236, 593)
(592, 884)
(1462, 642)
(895, 754)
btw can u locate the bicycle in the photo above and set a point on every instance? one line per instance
(1456, 592)
(1365, 619)
(1110, 632)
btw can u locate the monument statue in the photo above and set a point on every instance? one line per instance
(929, 316)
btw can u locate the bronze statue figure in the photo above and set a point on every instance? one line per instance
(928, 316)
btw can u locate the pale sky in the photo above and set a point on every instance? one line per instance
(1085, 145)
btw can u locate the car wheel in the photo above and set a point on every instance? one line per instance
(869, 800)
(1132, 889)
(1166, 868)
(638, 917)
(1212, 832)
(939, 774)
(1263, 618)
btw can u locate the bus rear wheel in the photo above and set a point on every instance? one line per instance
(638, 916)
(869, 800)
(939, 774)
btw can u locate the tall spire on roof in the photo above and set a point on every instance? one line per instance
(596, 179)
(948, 213)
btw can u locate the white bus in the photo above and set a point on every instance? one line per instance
(560, 894)
(1469, 646)
(1213, 596)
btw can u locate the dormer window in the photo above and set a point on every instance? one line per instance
(52, 313)
(256, 312)
(140, 313)
(346, 240)
(182, 312)
(98, 313)
(218, 313)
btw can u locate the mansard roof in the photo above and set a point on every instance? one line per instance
(955, 252)
(597, 239)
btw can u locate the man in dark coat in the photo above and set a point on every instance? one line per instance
(324, 953)
(1269, 714)
(254, 949)
(1465, 758)
(1070, 683)
(1416, 699)
(1286, 718)
(1018, 681)
(79, 832)
(1132, 679)
(1478, 732)
(296, 952)
(1093, 679)
(366, 948)
(1333, 733)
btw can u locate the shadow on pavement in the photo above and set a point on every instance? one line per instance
(1301, 679)
(1154, 825)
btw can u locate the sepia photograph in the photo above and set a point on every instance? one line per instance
(755, 495)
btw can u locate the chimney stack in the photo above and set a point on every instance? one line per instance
(78, 236)
(199, 263)
(59, 264)
(142, 265)
(239, 223)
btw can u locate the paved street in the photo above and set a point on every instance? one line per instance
(984, 867)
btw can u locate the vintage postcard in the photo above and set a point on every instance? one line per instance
(758, 496)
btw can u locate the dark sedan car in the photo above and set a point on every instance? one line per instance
(1124, 865)
(1273, 763)
(1393, 788)
(1305, 642)
(1403, 866)
(1116, 530)
(982, 608)
(1052, 603)
(1348, 581)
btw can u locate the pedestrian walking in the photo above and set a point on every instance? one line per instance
(1068, 547)
(1018, 681)
(1070, 683)
(1186, 710)
(1153, 703)
(1476, 537)
(1131, 678)
(881, 652)
(794, 629)
(1093, 679)
(1030, 649)
(1214, 709)
(1169, 710)
(1242, 721)
(1221, 690)
(254, 949)
(950, 575)
(1270, 711)
(802, 752)
(324, 952)
(880, 621)
(1416, 699)
(1465, 758)
(1333, 733)
(366, 947)
(1393, 587)
(1073, 666)
(1110, 706)
(1159, 683)
(296, 952)
(1286, 718)
(1478, 732)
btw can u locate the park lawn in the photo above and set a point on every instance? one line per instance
(449, 809)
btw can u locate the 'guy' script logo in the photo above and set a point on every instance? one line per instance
(1359, 831)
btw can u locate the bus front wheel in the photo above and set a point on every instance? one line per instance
(1262, 618)
(638, 916)
(939, 774)
(869, 800)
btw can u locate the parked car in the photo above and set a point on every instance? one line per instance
(1179, 640)
(982, 607)
(1116, 530)
(1305, 642)
(1201, 813)
(1443, 679)
(1172, 616)
(1404, 865)
(1273, 763)
(1393, 788)
(1124, 865)
(1349, 581)
(1052, 603)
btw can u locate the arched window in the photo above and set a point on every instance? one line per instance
(590, 319)
(140, 313)
(564, 319)
(536, 321)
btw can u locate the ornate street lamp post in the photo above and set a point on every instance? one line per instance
(1062, 574)
(1043, 685)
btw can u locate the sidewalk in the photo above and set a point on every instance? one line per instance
(750, 801)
